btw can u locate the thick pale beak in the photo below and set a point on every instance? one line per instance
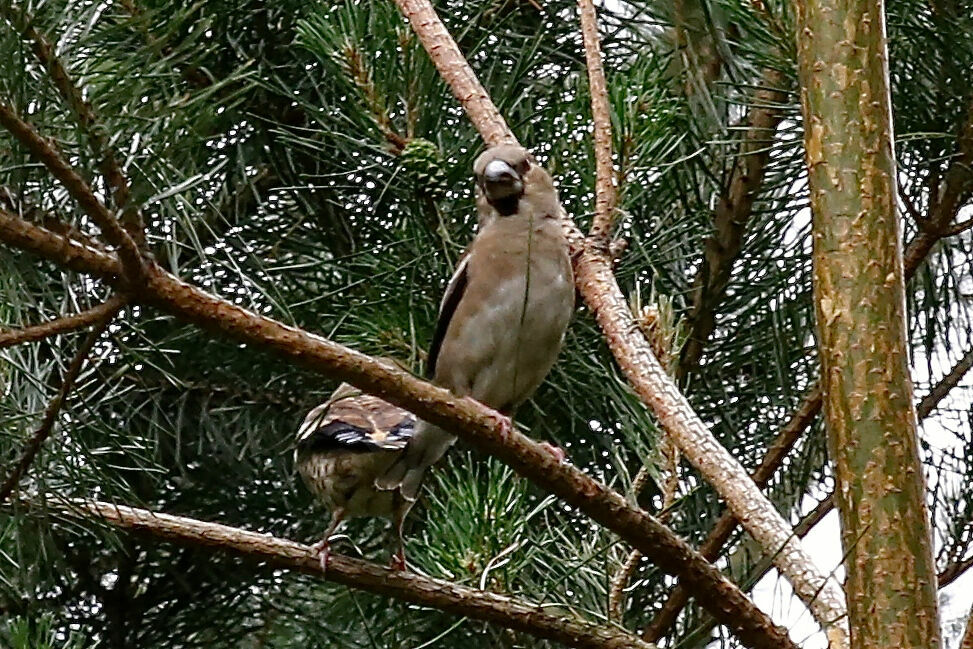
(498, 171)
(501, 181)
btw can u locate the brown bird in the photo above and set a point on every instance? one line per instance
(506, 308)
(342, 447)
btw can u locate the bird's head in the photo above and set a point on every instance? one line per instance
(500, 176)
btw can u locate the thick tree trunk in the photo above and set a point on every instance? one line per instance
(860, 304)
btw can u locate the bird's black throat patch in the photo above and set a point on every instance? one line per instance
(506, 206)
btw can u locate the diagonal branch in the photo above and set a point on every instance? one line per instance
(801, 419)
(503, 610)
(23, 22)
(43, 431)
(86, 318)
(730, 219)
(605, 194)
(936, 226)
(596, 282)
(45, 151)
(468, 419)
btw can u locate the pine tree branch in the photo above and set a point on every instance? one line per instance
(947, 194)
(23, 22)
(726, 525)
(502, 610)
(192, 74)
(605, 194)
(938, 227)
(483, 428)
(45, 151)
(80, 320)
(944, 385)
(732, 215)
(33, 445)
(597, 284)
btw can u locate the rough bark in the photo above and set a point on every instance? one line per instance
(605, 194)
(860, 309)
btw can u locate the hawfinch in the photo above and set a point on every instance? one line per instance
(506, 308)
(342, 447)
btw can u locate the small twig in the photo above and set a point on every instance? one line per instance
(503, 610)
(616, 593)
(959, 227)
(47, 153)
(605, 194)
(24, 23)
(68, 323)
(33, 445)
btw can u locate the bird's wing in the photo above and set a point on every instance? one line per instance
(358, 424)
(447, 307)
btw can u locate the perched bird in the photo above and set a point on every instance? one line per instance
(342, 447)
(506, 308)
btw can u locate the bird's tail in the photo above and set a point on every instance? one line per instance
(428, 444)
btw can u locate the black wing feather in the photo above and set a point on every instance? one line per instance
(338, 436)
(454, 293)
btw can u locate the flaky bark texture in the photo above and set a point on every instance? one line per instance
(860, 305)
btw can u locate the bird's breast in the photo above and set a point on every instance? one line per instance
(508, 328)
(347, 481)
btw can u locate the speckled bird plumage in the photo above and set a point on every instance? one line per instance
(505, 311)
(342, 447)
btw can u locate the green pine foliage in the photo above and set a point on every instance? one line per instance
(305, 160)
